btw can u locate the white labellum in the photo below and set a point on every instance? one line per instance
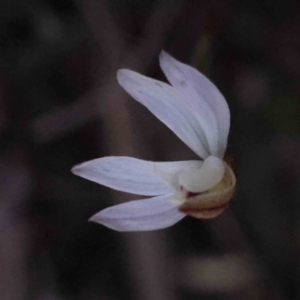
(207, 176)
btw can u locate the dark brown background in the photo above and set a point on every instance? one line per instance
(60, 105)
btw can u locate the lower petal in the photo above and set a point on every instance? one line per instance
(140, 215)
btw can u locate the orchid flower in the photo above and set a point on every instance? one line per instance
(194, 109)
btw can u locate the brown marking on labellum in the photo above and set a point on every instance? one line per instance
(207, 206)
(188, 194)
(205, 214)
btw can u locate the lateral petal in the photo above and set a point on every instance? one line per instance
(162, 100)
(140, 215)
(132, 175)
(125, 174)
(203, 98)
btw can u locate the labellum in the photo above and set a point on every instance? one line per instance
(212, 202)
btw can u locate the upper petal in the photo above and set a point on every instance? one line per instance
(140, 215)
(130, 174)
(162, 100)
(204, 99)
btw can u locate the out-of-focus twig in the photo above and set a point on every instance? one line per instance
(15, 187)
(104, 28)
(86, 108)
(54, 124)
(146, 252)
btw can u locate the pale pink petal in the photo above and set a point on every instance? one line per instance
(162, 100)
(130, 174)
(125, 174)
(140, 215)
(203, 98)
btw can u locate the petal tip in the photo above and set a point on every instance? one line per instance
(120, 74)
(124, 76)
(76, 168)
(162, 53)
(163, 56)
(121, 71)
(97, 218)
(93, 219)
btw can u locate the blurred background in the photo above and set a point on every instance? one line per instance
(60, 105)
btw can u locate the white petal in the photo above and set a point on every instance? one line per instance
(203, 98)
(125, 174)
(200, 180)
(132, 175)
(140, 215)
(162, 100)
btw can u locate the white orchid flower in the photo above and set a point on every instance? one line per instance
(194, 109)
